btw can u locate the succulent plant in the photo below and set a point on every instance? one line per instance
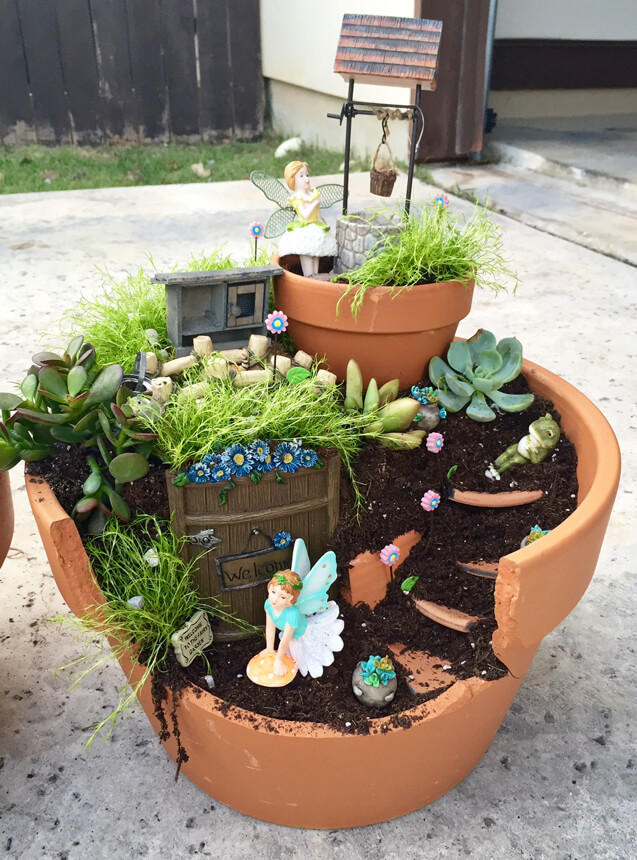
(475, 370)
(63, 400)
(389, 416)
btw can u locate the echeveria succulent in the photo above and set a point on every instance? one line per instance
(475, 371)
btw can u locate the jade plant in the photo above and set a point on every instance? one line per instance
(64, 399)
(475, 371)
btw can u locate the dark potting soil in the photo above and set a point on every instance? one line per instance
(393, 484)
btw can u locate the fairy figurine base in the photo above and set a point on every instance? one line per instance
(261, 670)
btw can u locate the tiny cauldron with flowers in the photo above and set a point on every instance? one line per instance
(276, 488)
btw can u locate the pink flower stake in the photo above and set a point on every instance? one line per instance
(276, 322)
(389, 555)
(256, 230)
(430, 500)
(434, 443)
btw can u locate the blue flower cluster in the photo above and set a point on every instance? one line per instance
(237, 461)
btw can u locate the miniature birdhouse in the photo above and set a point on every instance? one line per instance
(228, 305)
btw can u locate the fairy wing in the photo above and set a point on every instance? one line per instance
(315, 585)
(330, 194)
(278, 221)
(273, 189)
(300, 558)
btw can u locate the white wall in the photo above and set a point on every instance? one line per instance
(298, 44)
(567, 19)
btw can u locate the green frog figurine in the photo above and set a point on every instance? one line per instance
(544, 434)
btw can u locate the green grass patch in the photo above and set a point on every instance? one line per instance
(118, 559)
(62, 168)
(224, 415)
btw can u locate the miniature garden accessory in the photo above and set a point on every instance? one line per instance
(435, 441)
(309, 626)
(430, 500)
(299, 214)
(374, 682)
(389, 555)
(542, 439)
(256, 230)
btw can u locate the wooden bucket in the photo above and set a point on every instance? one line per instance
(306, 505)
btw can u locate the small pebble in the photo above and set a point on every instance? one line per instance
(210, 681)
(347, 725)
(447, 666)
(136, 602)
(239, 676)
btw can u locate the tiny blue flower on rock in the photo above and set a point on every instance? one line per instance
(308, 457)
(287, 457)
(282, 540)
(237, 460)
(198, 473)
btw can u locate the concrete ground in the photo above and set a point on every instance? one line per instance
(559, 780)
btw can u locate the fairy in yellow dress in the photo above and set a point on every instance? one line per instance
(306, 234)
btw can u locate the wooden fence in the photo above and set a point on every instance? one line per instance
(88, 71)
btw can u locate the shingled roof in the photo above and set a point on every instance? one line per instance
(376, 49)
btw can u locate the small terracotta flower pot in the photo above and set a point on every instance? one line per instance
(6, 515)
(394, 335)
(343, 780)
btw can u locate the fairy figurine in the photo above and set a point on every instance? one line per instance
(299, 216)
(308, 624)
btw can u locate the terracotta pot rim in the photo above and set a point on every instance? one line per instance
(604, 486)
(319, 285)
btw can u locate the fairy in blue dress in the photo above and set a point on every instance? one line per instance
(308, 624)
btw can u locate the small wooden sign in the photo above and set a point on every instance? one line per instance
(252, 568)
(191, 639)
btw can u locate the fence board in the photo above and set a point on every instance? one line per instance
(39, 31)
(144, 29)
(113, 62)
(16, 110)
(216, 99)
(77, 53)
(178, 40)
(245, 55)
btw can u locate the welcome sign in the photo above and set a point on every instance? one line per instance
(252, 568)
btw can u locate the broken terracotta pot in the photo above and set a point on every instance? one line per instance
(6, 515)
(393, 336)
(401, 765)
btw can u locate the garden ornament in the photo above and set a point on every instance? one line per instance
(309, 627)
(543, 436)
(306, 234)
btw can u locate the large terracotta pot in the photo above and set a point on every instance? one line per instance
(6, 515)
(340, 780)
(393, 336)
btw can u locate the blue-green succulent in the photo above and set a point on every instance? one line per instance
(475, 371)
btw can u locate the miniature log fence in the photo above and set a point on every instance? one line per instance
(306, 505)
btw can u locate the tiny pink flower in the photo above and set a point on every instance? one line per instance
(435, 441)
(430, 501)
(256, 229)
(276, 322)
(390, 554)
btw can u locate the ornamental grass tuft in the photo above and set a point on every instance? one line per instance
(432, 247)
